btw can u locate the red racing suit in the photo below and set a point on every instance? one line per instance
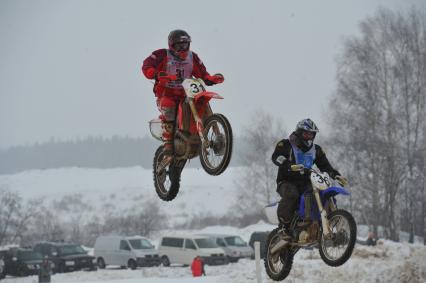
(169, 94)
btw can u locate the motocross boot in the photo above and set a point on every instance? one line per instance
(167, 135)
(285, 232)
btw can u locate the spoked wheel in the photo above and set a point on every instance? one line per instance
(218, 133)
(277, 265)
(338, 248)
(167, 180)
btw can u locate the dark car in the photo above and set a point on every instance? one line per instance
(21, 262)
(2, 273)
(66, 256)
(259, 237)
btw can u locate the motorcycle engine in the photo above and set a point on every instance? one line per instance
(309, 234)
(180, 147)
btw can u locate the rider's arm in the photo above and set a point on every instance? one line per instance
(323, 164)
(199, 71)
(280, 155)
(152, 64)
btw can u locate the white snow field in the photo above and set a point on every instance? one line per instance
(201, 193)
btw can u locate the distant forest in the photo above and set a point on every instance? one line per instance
(92, 152)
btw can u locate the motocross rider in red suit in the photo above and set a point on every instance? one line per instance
(169, 67)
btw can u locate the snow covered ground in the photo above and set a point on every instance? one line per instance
(387, 262)
(124, 186)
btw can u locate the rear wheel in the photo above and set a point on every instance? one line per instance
(166, 180)
(338, 248)
(218, 133)
(277, 265)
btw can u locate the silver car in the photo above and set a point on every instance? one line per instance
(233, 245)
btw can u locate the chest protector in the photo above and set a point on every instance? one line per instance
(305, 158)
(181, 68)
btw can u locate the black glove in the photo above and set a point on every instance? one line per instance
(341, 180)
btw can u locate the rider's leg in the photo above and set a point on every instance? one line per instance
(287, 206)
(167, 107)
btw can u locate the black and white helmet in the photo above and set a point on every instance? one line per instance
(306, 131)
(307, 125)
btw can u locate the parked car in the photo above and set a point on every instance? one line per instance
(21, 262)
(2, 271)
(129, 252)
(183, 249)
(259, 237)
(234, 247)
(66, 256)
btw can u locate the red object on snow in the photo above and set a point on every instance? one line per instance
(197, 267)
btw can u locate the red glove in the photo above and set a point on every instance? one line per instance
(215, 79)
(163, 77)
(150, 73)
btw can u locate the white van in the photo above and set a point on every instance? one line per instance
(183, 250)
(125, 251)
(233, 245)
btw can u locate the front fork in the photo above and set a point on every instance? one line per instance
(324, 220)
(199, 123)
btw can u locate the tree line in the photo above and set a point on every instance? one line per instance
(91, 152)
(73, 218)
(378, 120)
(96, 152)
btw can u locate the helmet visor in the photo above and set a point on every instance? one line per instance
(181, 46)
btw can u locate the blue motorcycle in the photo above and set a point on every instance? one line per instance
(317, 223)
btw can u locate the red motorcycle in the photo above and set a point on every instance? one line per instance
(197, 131)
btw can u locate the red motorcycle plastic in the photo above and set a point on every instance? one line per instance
(197, 131)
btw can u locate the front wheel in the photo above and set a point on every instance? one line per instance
(166, 180)
(277, 265)
(215, 157)
(337, 249)
(165, 260)
(101, 263)
(132, 264)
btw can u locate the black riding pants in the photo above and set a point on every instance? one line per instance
(290, 194)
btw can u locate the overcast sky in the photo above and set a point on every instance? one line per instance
(69, 69)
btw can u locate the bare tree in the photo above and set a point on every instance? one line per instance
(10, 207)
(256, 183)
(74, 212)
(378, 116)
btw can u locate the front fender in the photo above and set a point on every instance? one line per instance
(332, 191)
(207, 95)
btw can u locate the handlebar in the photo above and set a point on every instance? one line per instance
(302, 170)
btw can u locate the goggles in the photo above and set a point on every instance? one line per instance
(308, 135)
(181, 46)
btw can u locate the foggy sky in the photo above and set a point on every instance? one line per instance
(69, 69)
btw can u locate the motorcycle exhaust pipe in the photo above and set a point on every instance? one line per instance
(278, 246)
